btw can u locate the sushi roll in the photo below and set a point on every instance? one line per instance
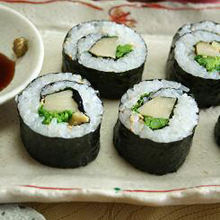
(189, 28)
(111, 56)
(60, 118)
(194, 61)
(155, 126)
(217, 131)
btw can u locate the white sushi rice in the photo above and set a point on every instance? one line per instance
(82, 37)
(181, 125)
(29, 102)
(185, 53)
(203, 25)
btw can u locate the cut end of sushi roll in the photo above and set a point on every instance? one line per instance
(110, 55)
(156, 124)
(194, 61)
(60, 117)
(196, 55)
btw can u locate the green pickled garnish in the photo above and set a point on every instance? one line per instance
(155, 123)
(122, 50)
(64, 116)
(209, 62)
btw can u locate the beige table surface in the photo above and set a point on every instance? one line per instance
(112, 211)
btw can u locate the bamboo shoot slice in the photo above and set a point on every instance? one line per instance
(105, 47)
(60, 101)
(206, 49)
(158, 107)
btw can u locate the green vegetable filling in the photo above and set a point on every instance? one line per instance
(140, 102)
(155, 123)
(122, 50)
(64, 116)
(209, 62)
(151, 122)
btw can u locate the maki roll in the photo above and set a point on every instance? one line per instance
(209, 26)
(60, 119)
(217, 131)
(155, 126)
(194, 61)
(111, 56)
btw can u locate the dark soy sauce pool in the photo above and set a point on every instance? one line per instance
(7, 69)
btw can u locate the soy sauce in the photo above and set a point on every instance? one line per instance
(7, 70)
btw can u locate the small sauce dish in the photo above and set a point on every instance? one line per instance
(27, 67)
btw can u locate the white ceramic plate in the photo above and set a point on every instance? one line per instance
(14, 25)
(109, 178)
(19, 212)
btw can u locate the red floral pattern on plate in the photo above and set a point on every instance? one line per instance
(122, 17)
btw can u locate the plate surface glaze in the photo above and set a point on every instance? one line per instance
(109, 178)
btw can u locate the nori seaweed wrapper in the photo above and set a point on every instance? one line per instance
(60, 152)
(205, 91)
(169, 65)
(217, 131)
(110, 85)
(149, 156)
